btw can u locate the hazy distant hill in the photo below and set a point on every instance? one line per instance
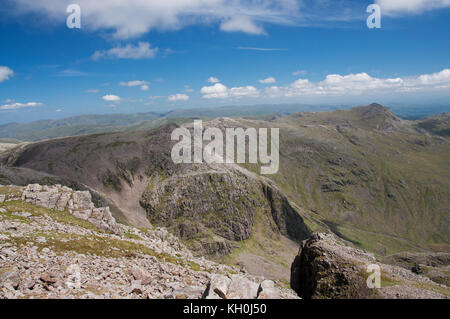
(247, 110)
(91, 124)
(77, 125)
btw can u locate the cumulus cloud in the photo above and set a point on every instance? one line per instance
(137, 52)
(133, 18)
(217, 91)
(5, 73)
(213, 80)
(270, 80)
(410, 6)
(220, 91)
(362, 83)
(178, 97)
(16, 105)
(143, 84)
(111, 98)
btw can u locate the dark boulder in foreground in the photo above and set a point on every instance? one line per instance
(327, 268)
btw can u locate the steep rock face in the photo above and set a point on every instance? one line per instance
(326, 267)
(214, 208)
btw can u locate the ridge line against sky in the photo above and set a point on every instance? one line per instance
(133, 56)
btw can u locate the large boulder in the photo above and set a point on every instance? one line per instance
(327, 267)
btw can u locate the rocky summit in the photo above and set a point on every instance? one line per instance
(55, 244)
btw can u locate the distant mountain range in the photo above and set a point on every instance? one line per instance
(91, 124)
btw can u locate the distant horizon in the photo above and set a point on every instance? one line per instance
(415, 112)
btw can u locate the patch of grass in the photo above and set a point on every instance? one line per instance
(58, 216)
(433, 287)
(132, 236)
(194, 266)
(10, 190)
(90, 245)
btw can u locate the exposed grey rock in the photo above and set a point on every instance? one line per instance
(242, 288)
(141, 269)
(140, 274)
(219, 284)
(78, 203)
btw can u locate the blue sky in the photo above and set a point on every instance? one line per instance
(160, 56)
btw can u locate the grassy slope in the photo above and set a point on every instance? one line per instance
(385, 190)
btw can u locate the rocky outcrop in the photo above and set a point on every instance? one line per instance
(326, 267)
(78, 203)
(46, 253)
(215, 207)
(241, 287)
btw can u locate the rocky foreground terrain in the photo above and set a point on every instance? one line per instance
(327, 267)
(55, 244)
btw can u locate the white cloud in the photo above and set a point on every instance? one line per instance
(16, 105)
(259, 49)
(396, 7)
(178, 97)
(220, 91)
(362, 83)
(242, 24)
(58, 110)
(141, 51)
(5, 73)
(133, 18)
(143, 84)
(213, 79)
(93, 91)
(244, 91)
(217, 91)
(111, 98)
(270, 80)
(133, 83)
(70, 73)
